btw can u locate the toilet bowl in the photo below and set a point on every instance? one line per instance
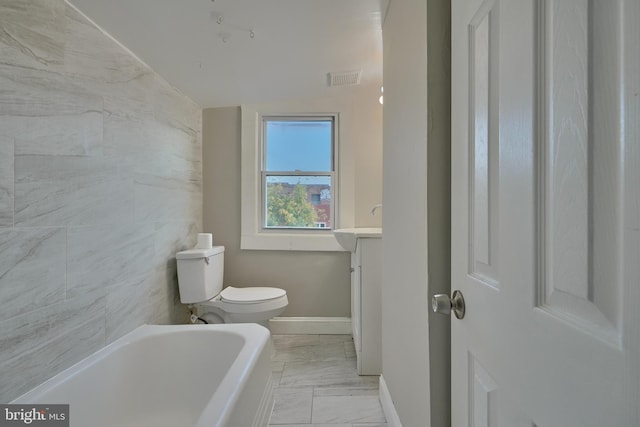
(200, 278)
(242, 305)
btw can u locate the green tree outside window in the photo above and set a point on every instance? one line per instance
(289, 208)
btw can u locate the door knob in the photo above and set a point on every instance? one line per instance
(441, 303)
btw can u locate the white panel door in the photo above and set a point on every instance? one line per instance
(546, 212)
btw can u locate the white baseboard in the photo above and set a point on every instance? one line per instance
(389, 409)
(310, 325)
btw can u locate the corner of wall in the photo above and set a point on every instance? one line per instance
(390, 413)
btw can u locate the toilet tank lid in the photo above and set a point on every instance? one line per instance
(196, 253)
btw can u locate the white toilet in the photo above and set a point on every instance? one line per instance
(200, 273)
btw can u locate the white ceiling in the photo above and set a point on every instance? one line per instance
(295, 44)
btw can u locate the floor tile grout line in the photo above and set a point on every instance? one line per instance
(313, 397)
(313, 349)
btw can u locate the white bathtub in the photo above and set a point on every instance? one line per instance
(173, 376)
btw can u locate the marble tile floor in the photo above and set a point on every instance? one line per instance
(316, 384)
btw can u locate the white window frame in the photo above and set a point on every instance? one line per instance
(253, 235)
(332, 174)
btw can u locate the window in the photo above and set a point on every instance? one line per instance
(265, 173)
(298, 172)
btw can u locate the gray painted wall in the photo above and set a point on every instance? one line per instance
(416, 156)
(100, 184)
(317, 283)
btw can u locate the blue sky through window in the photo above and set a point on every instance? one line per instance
(299, 146)
(292, 149)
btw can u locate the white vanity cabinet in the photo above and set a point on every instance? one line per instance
(366, 304)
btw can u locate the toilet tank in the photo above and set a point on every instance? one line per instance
(200, 273)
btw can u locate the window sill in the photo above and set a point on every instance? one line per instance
(325, 242)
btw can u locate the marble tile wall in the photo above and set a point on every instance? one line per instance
(100, 185)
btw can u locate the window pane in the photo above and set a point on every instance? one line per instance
(299, 145)
(298, 201)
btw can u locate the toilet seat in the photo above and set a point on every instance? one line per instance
(249, 308)
(251, 295)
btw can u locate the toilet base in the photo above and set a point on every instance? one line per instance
(214, 319)
(214, 315)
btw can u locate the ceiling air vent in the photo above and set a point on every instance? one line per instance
(345, 78)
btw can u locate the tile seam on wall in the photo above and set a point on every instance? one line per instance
(126, 49)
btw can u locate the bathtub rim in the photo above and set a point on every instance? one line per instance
(228, 391)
